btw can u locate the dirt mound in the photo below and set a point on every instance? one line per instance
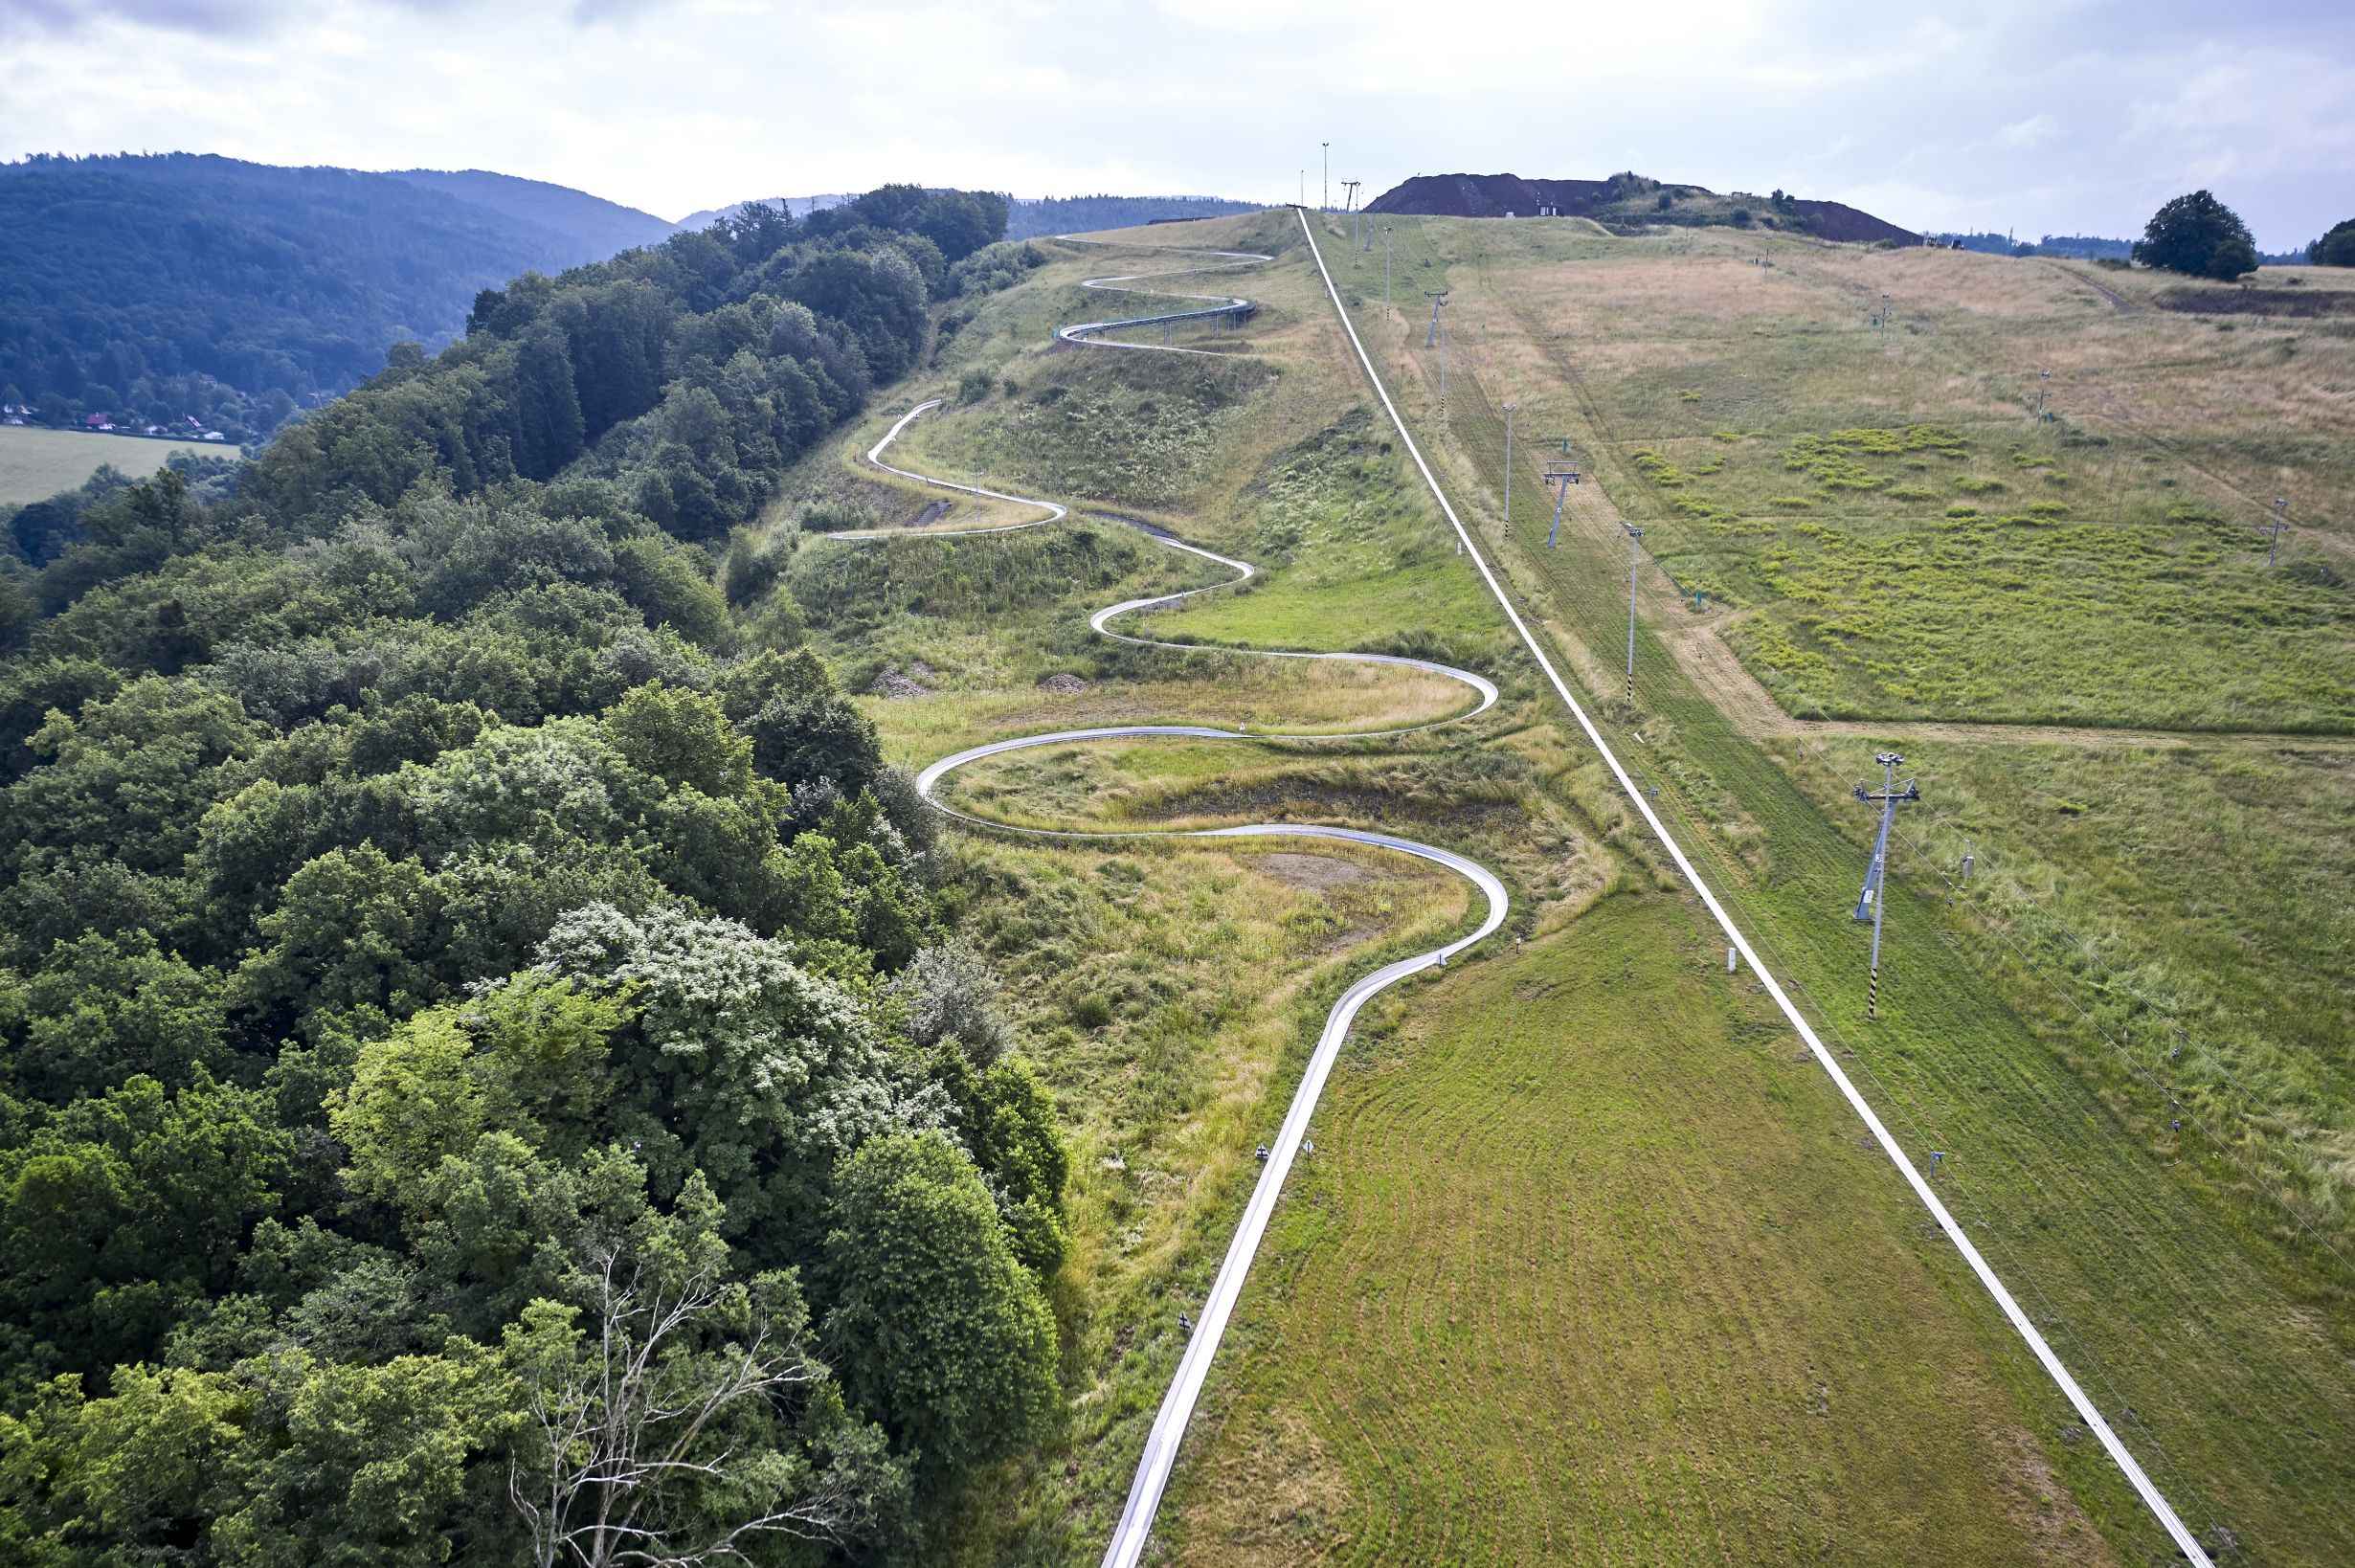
(1624, 199)
(915, 681)
(1063, 683)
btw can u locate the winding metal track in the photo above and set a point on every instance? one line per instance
(1160, 1453)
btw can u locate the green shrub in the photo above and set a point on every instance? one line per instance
(1978, 484)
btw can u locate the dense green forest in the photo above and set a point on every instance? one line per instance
(156, 288)
(484, 1075)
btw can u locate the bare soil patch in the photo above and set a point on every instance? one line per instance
(915, 681)
(2255, 302)
(1316, 872)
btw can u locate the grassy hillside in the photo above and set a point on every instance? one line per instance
(1172, 1016)
(2158, 1168)
(1557, 1286)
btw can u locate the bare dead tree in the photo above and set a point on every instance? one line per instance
(623, 1435)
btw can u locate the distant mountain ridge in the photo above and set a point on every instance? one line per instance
(1030, 217)
(1630, 199)
(604, 228)
(164, 287)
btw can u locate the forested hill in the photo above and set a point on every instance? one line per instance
(175, 285)
(481, 1050)
(600, 228)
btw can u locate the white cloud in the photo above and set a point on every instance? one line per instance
(2032, 132)
(2057, 114)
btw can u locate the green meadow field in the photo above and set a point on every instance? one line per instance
(37, 463)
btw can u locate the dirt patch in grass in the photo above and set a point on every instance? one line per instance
(1313, 871)
(2255, 302)
(915, 681)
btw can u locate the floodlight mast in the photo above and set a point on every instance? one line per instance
(1327, 199)
(1874, 898)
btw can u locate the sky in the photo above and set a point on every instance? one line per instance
(2062, 116)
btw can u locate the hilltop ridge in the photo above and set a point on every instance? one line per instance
(1631, 200)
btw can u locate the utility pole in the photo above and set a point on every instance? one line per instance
(2043, 386)
(1438, 297)
(1560, 475)
(1635, 537)
(1385, 267)
(2281, 520)
(1874, 898)
(1349, 195)
(1509, 408)
(1328, 195)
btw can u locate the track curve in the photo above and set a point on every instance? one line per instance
(1160, 1453)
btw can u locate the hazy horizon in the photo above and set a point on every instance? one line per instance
(2054, 118)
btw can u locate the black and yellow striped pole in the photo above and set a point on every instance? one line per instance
(1635, 550)
(1872, 902)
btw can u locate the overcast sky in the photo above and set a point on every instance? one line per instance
(2062, 116)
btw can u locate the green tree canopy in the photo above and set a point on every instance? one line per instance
(2198, 236)
(2336, 248)
(941, 1332)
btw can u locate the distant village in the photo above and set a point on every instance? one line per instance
(189, 429)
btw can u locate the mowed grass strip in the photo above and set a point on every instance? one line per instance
(2210, 1327)
(1586, 1267)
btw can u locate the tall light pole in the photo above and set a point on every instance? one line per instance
(1385, 267)
(1635, 536)
(2281, 520)
(1874, 897)
(1327, 200)
(1509, 408)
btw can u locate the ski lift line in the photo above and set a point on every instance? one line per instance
(2291, 1386)
(2081, 1198)
(2126, 1053)
(1911, 1111)
(1991, 859)
(2291, 1389)
(2152, 1498)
